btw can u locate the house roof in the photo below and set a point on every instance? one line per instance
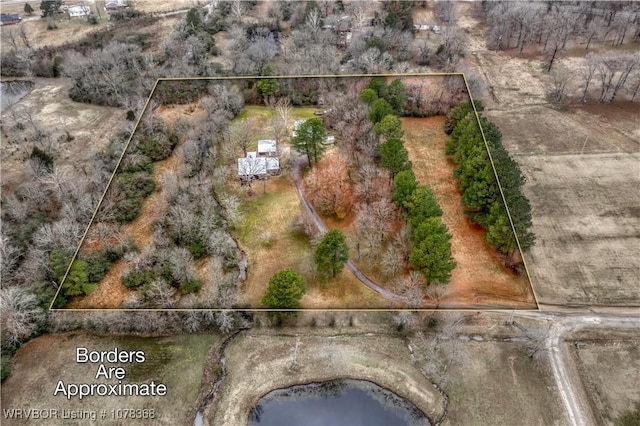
(272, 163)
(267, 145)
(250, 166)
(79, 10)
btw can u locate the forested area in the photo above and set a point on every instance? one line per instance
(430, 251)
(45, 215)
(482, 195)
(554, 28)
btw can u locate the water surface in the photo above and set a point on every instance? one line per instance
(335, 403)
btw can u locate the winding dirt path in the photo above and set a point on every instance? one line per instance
(296, 165)
(567, 379)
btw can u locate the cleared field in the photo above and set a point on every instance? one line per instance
(611, 391)
(586, 217)
(480, 277)
(541, 130)
(482, 363)
(176, 361)
(496, 383)
(48, 104)
(582, 166)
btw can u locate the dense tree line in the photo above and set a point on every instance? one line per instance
(481, 195)
(431, 247)
(604, 76)
(553, 26)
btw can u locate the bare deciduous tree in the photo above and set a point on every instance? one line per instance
(21, 314)
(359, 11)
(159, 294)
(225, 321)
(587, 74)
(329, 188)
(560, 77)
(392, 262)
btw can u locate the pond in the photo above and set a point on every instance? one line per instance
(338, 402)
(12, 91)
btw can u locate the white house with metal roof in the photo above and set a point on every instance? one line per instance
(267, 148)
(254, 167)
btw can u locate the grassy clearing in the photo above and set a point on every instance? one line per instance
(480, 276)
(265, 236)
(263, 115)
(611, 391)
(260, 362)
(493, 382)
(271, 245)
(176, 361)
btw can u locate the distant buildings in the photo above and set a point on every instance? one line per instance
(77, 11)
(115, 5)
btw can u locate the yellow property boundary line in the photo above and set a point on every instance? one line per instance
(135, 127)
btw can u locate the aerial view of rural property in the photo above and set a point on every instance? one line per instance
(320, 212)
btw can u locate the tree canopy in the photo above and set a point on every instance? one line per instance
(389, 127)
(477, 181)
(431, 253)
(285, 290)
(310, 138)
(331, 254)
(404, 183)
(380, 108)
(394, 156)
(50, 7)
(267, 86)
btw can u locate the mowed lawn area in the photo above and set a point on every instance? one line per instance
(480, 278)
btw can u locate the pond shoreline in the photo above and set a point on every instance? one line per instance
(381, 403)
(258, 364)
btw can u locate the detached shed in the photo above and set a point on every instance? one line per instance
(267, 148)
(77, 11)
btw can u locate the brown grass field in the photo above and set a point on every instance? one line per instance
(479, 277)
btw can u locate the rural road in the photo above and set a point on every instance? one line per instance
(296, 166)
(562, 322)
(567, 380)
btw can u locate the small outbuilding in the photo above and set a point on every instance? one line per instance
(113, 5)
(267, 148)
(77, 11)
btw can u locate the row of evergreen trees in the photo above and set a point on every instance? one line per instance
(481, 195)
(430, 238)
(431, 242)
